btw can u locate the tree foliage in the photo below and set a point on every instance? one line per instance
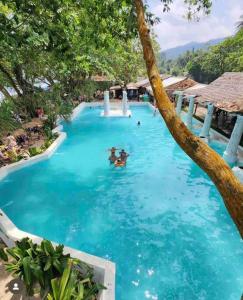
(207, 65)
(224, 57)
(62, 41)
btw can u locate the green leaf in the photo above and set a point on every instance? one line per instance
(49, 297)
(65, 278)
(85, 280)
(3, 255)
(49, 250)
(27, 270)
(57, 264)
(14, 253)
(38, 273)
(55, 288)
(48, 264)
(80, 294)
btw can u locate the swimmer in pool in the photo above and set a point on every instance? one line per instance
(123, 156)
(113, 157)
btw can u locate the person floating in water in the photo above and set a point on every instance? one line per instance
(139, 123)
(123, 156)
(119, 163)
(122, 159)
(113, 157)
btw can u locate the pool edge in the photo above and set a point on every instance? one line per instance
(104, 270)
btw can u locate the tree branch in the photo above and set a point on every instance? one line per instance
(10, 79)
(5, 92)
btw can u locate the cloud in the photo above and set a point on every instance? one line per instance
(174, 29)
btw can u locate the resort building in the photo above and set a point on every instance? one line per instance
(174, 83)
(143, 87)
(226, 95)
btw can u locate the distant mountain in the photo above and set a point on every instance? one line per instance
(175, 52)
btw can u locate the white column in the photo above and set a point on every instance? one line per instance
(207, 122)
(190, 112)
(230, 154)
(106, 103)
(179, 102)
(124, 103)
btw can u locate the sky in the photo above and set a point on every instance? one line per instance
(175, 30)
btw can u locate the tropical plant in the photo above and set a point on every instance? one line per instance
(3, 255)
(57, 275)
(72, 286)
(36, 264)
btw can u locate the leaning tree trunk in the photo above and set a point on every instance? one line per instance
(10, 79)
(5, 91)
(213, 164)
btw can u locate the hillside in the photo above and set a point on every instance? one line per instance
(175, 52)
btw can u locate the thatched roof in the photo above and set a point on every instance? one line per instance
(226, 92)
(195, 87)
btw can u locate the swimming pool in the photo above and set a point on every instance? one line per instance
(160, 219)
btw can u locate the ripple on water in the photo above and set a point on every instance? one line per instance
(160, 218)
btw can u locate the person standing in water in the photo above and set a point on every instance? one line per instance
(139, 123)
(113, 157)
(123, 156)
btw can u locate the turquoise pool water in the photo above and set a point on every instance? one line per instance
(160, 219)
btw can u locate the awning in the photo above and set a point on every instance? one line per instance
(115, 87)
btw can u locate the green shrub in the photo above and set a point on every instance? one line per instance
(35, 151)
(58, 276)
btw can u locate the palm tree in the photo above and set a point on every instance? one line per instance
(240, 23)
